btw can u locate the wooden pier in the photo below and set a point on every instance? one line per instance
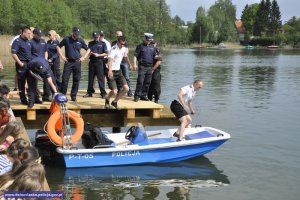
(92, 110)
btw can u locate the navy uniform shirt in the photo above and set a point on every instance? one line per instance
(145, 54)
(40, 66)
(72, 47)
(97, 47)
(22, 47)
(51, 47)
(39, 47)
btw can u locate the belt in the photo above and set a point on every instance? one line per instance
(146, 65)
(115, 70)
(73, 60)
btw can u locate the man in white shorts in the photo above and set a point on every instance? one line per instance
(182, 105)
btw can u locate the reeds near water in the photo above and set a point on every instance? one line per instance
(5, 48)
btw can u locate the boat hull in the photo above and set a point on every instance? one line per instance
(161, 149)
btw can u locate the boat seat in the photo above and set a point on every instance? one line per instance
(199, 135)
(158, 141)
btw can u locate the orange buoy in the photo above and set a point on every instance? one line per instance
(54, 123)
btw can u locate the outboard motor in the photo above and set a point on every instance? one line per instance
(137, 135)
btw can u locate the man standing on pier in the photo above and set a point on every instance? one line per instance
(115, 76)
(144, 54)
(73, 59)
(21, 53)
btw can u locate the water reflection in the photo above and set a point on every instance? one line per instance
(141, 182)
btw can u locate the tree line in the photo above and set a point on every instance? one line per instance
(134, 17)
(131, 16)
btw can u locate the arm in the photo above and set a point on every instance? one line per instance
(49, 79)
(46, 55)
(16, 58)
(110, 74)
(1, 66)
(157, 63)
(134, 62)
(191, 107)
(87, 53)
(61, 54)
(180, 97)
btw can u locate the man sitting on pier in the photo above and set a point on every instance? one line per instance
(115, 76)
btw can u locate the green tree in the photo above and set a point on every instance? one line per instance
(6, 17)
(223, 14)
(202, 28)
(274, 19)
(248, 17)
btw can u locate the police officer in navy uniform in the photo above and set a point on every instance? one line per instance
(98, 52)
(73, 59)
(38, 69)
(155, 89)
(39, 45)
(21, 53)
(144, 54)
(39, 49)
(53, 56)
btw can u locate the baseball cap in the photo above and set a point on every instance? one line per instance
(37, 32)
(101, 33)
(76, 30)
(148, 36)
(96, 34)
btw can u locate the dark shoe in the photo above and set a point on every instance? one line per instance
(106, 104)
(136, 99)
(38, 101)
(47, 99)
(156, 101)
(103, 96)
(180, 140)
(30, 105)
(115, 104)
(25, 102)
(87, 95)
(73, 99)
(145, 99)
(93, 91)
(129, 94)
(176, 135)
(15, 89)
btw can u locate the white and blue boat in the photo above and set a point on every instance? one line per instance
(137, 146)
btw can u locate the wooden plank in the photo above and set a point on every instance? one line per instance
(155, 113)
(25, 136)
(130, 113)
(31, 114)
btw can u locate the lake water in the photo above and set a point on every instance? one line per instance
(252, 94)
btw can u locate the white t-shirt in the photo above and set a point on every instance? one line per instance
(117, 54)
(107, 44)
(188, 93)
(12, 41)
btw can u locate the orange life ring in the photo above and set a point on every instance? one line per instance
(55, 121)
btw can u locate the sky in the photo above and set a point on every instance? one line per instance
(186, 9)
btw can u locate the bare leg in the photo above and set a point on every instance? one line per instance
(185, 121)
(121, 93)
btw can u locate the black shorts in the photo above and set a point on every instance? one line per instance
(118, 79)
(177, 109)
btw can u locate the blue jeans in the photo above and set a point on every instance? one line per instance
(125, 72)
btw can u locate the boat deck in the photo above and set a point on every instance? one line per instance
(92, 109)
